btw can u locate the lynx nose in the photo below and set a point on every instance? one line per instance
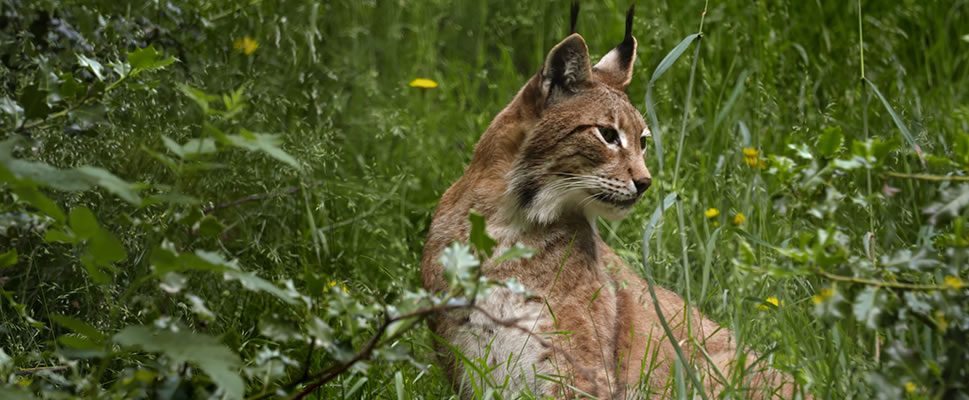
(642, 184)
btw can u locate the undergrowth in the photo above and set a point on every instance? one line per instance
(218, 198)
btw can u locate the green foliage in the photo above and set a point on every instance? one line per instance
(223, 199)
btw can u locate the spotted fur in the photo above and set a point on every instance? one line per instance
(543, 171)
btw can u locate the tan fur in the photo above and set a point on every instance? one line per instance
(531, 147)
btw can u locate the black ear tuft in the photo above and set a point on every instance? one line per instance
(616, 67)
(575, 16)
(628, 45)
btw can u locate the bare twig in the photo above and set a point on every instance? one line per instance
(927, 177)
(328, 374)
(31, 371)
(259, 197)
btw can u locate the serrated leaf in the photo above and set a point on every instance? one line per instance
(515, 252)
(830, 141)
(92, 65)
(866, 307)
(147, 59)
(458, 262)
(214, 358)
(479, 236)
(80, 327)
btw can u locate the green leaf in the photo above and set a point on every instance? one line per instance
(92, 65)
(11, 108)
(111, 183)
(262, 142)
(515, 252)
(80, 327)
(34, 102)
(459, 264)
(106, 248)
(55, 235)
(479, 236)
(214, 358)
(830, 141)
(898, 122)
(200, 98)
(147, 59)
(165, 261)
(83, 222)
(31, 195)
(866, 307)
(77, 342)
(8, 259)
(210, 226)
(14, 393)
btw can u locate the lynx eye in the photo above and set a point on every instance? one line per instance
(642, 143)
(610, 135)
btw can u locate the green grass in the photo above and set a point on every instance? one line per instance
(332, 79)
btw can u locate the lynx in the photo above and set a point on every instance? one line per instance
(568, 148)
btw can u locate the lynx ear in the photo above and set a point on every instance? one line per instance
(566, 68)
(616, 68)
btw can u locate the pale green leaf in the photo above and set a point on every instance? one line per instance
(214, 358)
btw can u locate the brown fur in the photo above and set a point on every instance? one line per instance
(546, 133)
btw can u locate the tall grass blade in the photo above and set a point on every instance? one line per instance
(654, 220)
(681, 357)
(898, 121)
(664, 65)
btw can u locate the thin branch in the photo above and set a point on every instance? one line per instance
(927, 177)
(872, 282)
(31, 371)
(328, 374)
(258, 197)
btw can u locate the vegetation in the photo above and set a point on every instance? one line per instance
(217, 198)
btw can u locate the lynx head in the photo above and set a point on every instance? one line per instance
(584, 156)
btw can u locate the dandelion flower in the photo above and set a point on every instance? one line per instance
(739, 219)
(953, 282)
(750, 157)
(712, 212)
(246, 45)
(772, 300)
(423, 83)
(910, 387)
(822, 296)
(342, 286)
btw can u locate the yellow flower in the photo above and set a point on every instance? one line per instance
(246, 45)
(953, 282)
(423, 83)
(750, 157)
(712, 212)
(910, 387)
(822, 296)
(941, 321)
(739, 219)
(773, 300)
(342, 286)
